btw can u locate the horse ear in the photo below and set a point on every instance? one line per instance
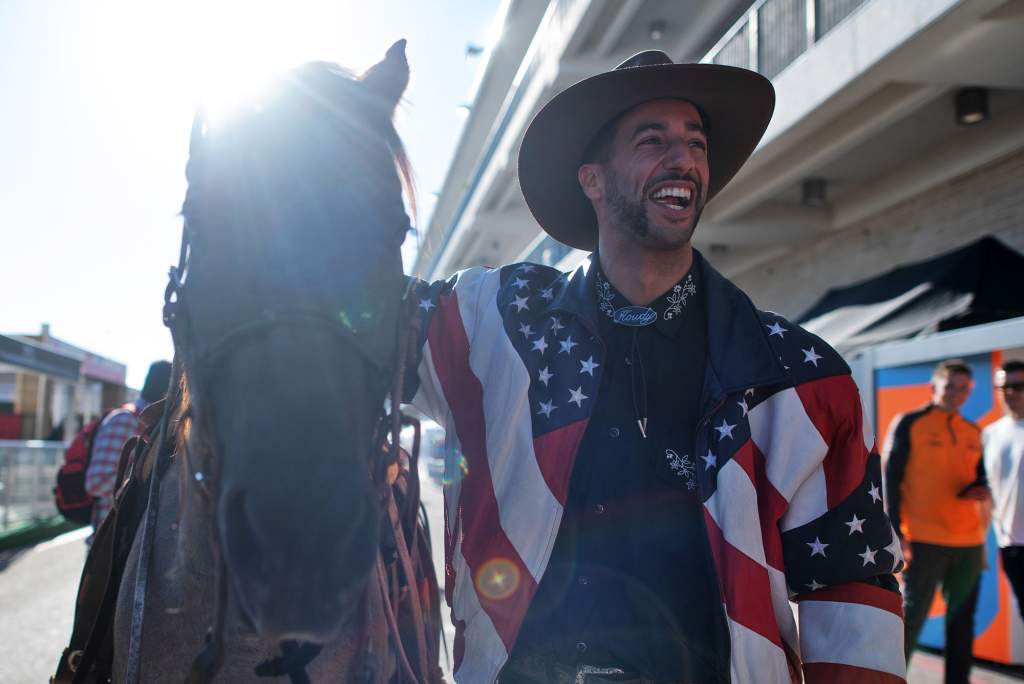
(388, 78)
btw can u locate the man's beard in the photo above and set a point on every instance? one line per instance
(632, 214)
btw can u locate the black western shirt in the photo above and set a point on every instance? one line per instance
(631, 582)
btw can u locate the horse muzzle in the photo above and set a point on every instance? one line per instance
(297, 577)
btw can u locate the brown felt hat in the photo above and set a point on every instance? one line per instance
(736, 105)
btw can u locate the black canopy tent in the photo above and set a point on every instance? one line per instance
(978, 283)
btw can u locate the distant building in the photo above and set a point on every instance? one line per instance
(898, 133)
(48, 387)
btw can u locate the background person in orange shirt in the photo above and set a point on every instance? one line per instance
(935, 479)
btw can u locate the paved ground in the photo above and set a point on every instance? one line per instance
(37, 594)
(37, 588)
(926, 668)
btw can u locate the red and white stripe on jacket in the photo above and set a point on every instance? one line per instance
(804, 455)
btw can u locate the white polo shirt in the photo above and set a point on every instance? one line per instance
(1003, 442)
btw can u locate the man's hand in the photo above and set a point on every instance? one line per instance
(976, 493)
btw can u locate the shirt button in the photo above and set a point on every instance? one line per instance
(583, 580)
(581, 646)
(599, 509)
(613, 432)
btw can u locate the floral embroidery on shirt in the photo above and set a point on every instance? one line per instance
(605, 294)
(677, 298)
(682, 466)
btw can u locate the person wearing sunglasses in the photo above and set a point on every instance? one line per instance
(1003, 442)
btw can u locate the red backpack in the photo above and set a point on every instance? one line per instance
(73, 502)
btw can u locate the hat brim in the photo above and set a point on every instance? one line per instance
(737, 105)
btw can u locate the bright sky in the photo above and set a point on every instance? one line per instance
(98, 98)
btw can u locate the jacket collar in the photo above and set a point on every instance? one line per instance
(739, 353)
(578, 294)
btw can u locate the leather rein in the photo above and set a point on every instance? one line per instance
(384, 467)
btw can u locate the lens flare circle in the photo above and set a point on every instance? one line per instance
(497, 579)
(456, 469)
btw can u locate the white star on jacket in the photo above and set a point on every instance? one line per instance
(426, 304)
(856, 524)
(577, 396)
(873, 492)
(725, 430)
(810, 356)
(567, 345)
(520, 303)
(868, 555)
(817, 547)
(544, 375)
(710, 461)
(540, 344)
(546, 408)
(520, 283)
(526, 329)
(588, 366)
(776, 329)
(556, 324)
(896, 550)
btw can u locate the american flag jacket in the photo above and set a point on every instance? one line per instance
(787, 469)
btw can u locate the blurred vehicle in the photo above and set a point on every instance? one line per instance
(432, 450)
(432, 453)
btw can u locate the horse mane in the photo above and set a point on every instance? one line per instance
(404, 170)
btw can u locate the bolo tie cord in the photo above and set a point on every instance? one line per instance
(639, 407)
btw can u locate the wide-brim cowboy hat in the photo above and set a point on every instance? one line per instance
(736, 105)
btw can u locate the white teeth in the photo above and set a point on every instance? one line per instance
(683, 193)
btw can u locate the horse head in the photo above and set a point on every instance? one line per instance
(286, 323)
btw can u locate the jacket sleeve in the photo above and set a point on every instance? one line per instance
(840, 565)
(448, 311)
(898, 454)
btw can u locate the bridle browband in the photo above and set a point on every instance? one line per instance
(382, 460)
(242, 333)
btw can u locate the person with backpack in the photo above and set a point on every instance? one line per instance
(116, 428)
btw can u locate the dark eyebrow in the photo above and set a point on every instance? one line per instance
(645, 126)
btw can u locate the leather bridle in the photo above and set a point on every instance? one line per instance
(383, 460)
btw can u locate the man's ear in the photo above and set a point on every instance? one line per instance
(591, 181)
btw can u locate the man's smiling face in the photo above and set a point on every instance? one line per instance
(654, 178)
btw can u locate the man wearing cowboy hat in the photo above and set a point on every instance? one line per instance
(644, 469)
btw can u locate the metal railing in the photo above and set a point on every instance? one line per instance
(773, 33)
(547, 251)
(28, 470)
